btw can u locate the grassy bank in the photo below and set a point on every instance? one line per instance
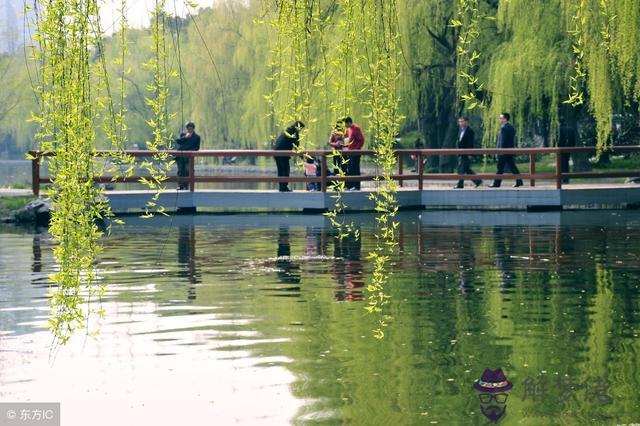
(9, 204)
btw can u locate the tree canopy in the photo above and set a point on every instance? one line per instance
(573, 60)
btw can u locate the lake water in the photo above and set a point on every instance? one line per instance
(15, 173)
(260, 319)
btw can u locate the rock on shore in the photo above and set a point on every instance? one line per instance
(37, 212)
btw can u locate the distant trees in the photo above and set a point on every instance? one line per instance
(477, 57)
(540, 61)
(16, 104)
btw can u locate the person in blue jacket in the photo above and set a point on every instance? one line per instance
(506, 139)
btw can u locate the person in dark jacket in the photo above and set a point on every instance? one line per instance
(466, 138)
(287, 141)
(506, 139)
(188, 141)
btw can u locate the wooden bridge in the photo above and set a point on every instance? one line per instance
(418, 188)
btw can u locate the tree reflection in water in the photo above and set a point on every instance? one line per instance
(527, 298)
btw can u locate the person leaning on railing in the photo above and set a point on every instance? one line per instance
(336, 142)
(287, 141)
(188, 141)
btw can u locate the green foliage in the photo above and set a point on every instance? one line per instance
(530, 68)
(381, 58)
(367, 58)
(110, 114)
(609, 31)
(161, 163)
(363, 65)
(592, 33)
(607, 63)
(468, 22)
(16, 104)
(313, 60)
(524, 57)
(66, 36)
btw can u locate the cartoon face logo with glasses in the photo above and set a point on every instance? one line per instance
(493, 387)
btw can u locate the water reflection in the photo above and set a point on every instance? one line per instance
(288, 270)
(316, 241)
(36, 263)
(549, 303)
(40, 243)
(466, 260)
(505, 239)
(187, 259)
(347, 268)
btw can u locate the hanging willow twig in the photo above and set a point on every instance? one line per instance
(362, 68)
(381, 50)
(592, 36)
(577, 80)
(110, 113)
(66, 128)
(467, 22)
(161, 163)
(341, 68)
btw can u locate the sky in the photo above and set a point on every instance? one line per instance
(12, 18)
(138, 11)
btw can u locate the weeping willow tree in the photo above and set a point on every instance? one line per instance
(606, 62)
(529, 71)
(324, 59)
(219, 49)
(575, 52)
(446, 48)
(624, 15)
(76, 101)
(540, 61)
(428, 83)
(161, 140)
(67, 37)
(526, 56)
(381, 47)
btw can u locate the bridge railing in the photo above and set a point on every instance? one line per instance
(325, 180)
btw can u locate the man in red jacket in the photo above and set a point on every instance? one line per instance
(356, 142)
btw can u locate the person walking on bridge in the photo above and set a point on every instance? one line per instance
(188, 141)
(466, 138)
(506, 139)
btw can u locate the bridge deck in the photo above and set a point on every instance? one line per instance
(436, 196)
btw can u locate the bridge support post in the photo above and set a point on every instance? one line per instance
(532, 168)
(558, 169)
(420, 171)
(323, 172)
(192, 173)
